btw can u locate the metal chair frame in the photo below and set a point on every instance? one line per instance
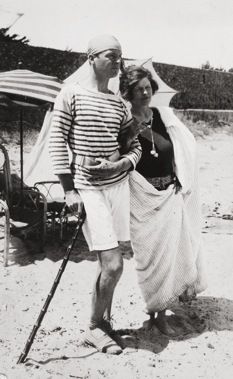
(26, 205)
(4, 212)
(54, 207)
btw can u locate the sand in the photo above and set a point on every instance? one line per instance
(203, 346)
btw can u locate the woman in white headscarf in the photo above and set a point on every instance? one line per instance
(165, 208)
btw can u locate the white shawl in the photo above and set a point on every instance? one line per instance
(166, 227)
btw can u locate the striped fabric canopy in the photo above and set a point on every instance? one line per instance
(24, 86)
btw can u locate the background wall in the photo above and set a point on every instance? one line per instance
(198, 88)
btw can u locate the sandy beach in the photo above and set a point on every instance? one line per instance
(203, 347)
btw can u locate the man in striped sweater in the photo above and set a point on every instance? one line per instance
(88, 120)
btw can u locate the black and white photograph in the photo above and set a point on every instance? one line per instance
(116, 189)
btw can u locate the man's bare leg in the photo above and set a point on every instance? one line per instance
(108, 312)
(108, 274)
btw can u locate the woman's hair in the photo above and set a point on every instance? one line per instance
(130, 77)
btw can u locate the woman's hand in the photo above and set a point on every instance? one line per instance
(128, 135)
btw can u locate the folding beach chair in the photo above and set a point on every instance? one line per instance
(24, 209)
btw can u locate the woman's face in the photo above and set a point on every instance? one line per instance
(142, 93)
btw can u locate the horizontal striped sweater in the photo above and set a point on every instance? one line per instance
(88, 123)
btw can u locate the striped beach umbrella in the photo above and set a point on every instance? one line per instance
(29, 88)
(26, 88)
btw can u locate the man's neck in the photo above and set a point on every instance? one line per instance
(96, 83)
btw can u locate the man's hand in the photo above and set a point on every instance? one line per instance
(107, 168)
(74, 202)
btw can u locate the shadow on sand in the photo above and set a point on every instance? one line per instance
(188, 320)
(24, 252)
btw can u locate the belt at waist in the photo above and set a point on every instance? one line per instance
(83, 160)
(162, 182)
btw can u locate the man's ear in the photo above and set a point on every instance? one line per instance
(91, 58)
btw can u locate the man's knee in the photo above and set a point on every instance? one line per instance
(112, 263)
(114, 269)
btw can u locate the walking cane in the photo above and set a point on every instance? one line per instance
(43, 311)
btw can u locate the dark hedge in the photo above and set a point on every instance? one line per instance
(198, 88)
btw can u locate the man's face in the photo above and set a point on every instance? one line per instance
(107, 63)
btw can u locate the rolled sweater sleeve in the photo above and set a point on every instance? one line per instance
(60, 127)
(135, 152)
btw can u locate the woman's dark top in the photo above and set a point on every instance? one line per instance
(148, 165)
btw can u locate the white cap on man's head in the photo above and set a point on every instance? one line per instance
(101, 43)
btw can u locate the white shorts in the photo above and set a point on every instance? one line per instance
(107, 216)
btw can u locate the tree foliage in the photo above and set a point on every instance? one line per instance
(4, 34)
(208, 66)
